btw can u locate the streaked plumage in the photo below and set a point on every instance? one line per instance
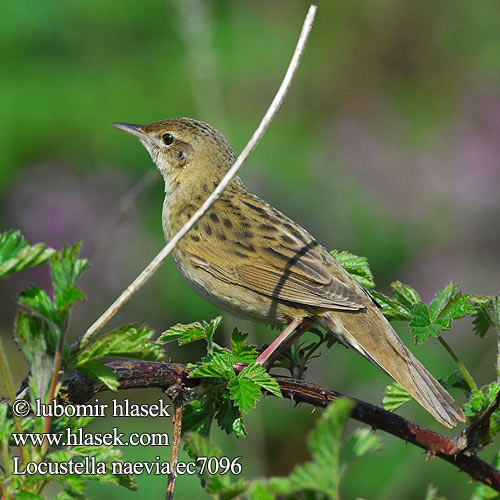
(251, 260)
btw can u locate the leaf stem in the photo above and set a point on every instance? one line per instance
(468, 377)
(52, 387)
(9, 385)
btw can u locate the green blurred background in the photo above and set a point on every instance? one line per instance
(387, 146)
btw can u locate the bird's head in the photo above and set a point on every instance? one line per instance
(187, 152)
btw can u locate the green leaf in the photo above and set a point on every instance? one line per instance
(217, 364)
(244, 392)
(259, 375)
(194, 417)
(198, 446)
(129, 341)
(101, 373)
(39, 302)
(66, 268)
(458, 307)
(227, 414)
(486, 313)
(6, 423)
(239, 427)
(405, 294)
(191, 332)
(481, 400)
(446, 306)
(422, 325)
(260, 491)
(27, 495)
(31, 334)
(361, 442)
(391, 309)
(441, 299)
(218, 485)
(323, 474)
(16, 254)
(356, 266)
(431, 493)
(68, 495)
(395, 396)
(242, 353)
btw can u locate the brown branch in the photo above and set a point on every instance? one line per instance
(173, 377)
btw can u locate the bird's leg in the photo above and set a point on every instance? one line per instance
(281, 343)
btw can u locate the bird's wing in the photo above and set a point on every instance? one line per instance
(285, 263)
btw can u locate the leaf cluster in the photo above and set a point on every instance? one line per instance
(233, 383)
(41, 327)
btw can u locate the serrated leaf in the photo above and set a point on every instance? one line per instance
(216, 364)
(66, 268)
(486, 313)
(242, 353)
(405, 294)
(441, 299)
(16, 254)
(361, 442)
(218, 485)
(481, 400)
(39, 302)
(323, 473)
(227, 414)
(391, 309)
(458, 307)
(198, 446)
(395, 396)
(244, 392)
(447, 305)
(185, 334)
(260, 491)
(431, 493)
(422, 325)
(194, 417)
(356, 266)
(101, 373)
(129, 341)
(259, 375)
(239, 427)
(31, 334)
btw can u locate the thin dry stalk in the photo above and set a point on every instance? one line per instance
(134, 287)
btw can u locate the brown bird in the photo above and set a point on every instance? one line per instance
(249, 259)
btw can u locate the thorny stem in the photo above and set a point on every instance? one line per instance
(257, 135)
(468, 377)
(457, 449)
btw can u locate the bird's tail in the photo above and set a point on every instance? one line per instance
(369, 333)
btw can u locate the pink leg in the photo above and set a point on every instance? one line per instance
(282, 341)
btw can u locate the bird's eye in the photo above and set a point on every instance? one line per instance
(167, 139)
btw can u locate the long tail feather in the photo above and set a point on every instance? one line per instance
(369, 333)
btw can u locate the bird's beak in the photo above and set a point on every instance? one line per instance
(131, 129)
